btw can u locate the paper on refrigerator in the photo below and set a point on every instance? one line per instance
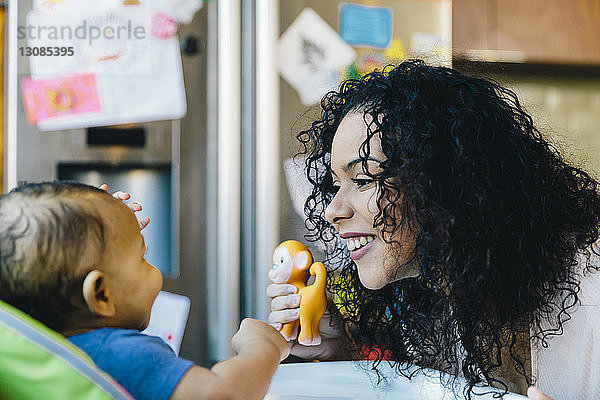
(54, 97)
(186, 9)
(311, 55)
(137, 67)
(365, 25)
(168, 318)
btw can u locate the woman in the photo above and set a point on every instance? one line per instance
(459, 239)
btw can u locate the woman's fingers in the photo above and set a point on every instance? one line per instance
(284, 302)
(284, 316)
(280, 289)
(277, 325)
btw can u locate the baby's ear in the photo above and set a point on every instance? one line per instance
(96, 294)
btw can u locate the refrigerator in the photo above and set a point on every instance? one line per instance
(274, 110)
(227, 186)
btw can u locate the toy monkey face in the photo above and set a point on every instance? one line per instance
(282, 265)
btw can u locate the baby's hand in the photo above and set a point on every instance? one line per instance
(253, 333)
(134, 206)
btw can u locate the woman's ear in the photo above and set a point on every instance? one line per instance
(96, 294)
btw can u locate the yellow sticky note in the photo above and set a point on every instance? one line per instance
(395, 51)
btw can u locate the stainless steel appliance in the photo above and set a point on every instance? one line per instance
(229, 201)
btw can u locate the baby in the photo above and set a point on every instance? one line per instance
(72, 256)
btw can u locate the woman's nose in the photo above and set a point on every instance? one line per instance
(338, 210)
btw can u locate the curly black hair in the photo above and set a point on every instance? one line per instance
(502, 221)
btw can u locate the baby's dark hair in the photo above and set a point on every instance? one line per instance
(502, 220)
(50, 236)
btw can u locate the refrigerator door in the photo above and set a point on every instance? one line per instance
(416, 28)
(176, 154)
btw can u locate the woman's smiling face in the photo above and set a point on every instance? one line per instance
(354, 207)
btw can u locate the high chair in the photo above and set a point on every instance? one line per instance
(39, 363)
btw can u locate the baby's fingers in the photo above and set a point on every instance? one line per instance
(135, 207)
(121, 195)
(143, 222)
(284, 316)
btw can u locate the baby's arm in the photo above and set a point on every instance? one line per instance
(259, 349)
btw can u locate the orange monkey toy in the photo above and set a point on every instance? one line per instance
(291, 262)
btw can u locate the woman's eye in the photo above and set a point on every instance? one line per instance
(335, 188)
(361, 183)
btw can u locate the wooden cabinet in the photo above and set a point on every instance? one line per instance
(533, 31)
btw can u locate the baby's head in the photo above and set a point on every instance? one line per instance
(72, 257)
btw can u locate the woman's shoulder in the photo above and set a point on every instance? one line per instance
(589, 277)
(565, 365)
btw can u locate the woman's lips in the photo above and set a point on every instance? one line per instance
(359, 253)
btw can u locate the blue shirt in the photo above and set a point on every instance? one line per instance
(145, 365)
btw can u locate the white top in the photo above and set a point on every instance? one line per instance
(569, 368)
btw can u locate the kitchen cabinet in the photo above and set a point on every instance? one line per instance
(563, 32)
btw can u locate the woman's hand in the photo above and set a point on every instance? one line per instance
(134, 206)
(285, 303)
(534, 393)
